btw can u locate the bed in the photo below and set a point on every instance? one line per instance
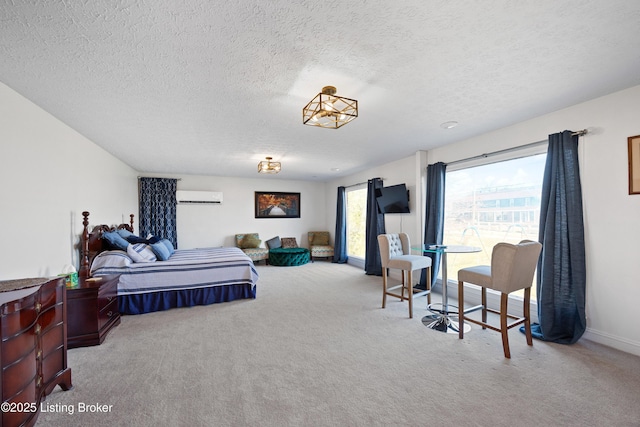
(155, 277)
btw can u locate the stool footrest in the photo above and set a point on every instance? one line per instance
(288, 256)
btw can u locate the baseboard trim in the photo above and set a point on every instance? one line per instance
(472, 297)
(612, 341)
(356, 262)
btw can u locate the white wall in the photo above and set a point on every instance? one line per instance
(217, 225)
(612, 226)
(49, 174)
(398, 172)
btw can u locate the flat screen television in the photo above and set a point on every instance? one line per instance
(393, 199)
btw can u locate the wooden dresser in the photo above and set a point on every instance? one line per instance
(92, 310)
(33, 353)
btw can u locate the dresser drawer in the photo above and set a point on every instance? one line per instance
(108, 292)
(18, 346)
(17, 376)
(51, 294)
(52, 339)
(108, 312)
(103, 302)
(26, 396)
(18, 316)
(52, 364)
(51, 317)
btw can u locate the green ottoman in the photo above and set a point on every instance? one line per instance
(288, 256)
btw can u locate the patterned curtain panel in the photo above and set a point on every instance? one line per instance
(375, 225)
(434, 216)
(340, 244)
(158, 208)
(561, 280)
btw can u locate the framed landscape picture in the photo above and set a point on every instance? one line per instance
(634, 164)
(277, 205)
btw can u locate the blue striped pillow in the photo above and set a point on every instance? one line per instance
(140, 252)
(161, 251)
(169, 245)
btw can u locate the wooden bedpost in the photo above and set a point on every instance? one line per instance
(131, 222)
(84, 248)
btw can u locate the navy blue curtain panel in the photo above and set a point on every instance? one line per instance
(561, 280)
(340, 241)
(158, 208)
(374, 227)
(434, 216)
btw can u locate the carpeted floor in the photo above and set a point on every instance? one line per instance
(316, 349)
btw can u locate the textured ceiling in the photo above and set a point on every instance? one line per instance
(202, 87)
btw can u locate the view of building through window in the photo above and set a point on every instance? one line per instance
(484, 205)
(356, 221)
(497, 202)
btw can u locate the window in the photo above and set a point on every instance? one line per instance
(491, 203)
(356, 221)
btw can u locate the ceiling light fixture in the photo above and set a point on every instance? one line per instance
(449, 125)
(267, 166)
(327, 110)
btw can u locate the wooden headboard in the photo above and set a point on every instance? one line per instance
(91, 243)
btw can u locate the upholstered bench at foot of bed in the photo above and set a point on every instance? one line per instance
(288, 256)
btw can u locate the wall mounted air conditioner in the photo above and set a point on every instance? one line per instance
(199, 197)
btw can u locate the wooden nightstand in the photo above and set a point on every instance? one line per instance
(92, 311)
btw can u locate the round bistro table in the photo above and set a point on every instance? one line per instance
(441, 320)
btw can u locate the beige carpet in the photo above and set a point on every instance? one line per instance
(316, 349)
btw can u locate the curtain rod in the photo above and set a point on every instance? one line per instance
(177, 179)
(355, 185)
(360, 183)
(508, 150)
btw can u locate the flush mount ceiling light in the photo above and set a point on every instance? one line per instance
(449, 125)
(327, 110)
(267, 166)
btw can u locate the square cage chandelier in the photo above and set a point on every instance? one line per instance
(327, 110)
(267, 166)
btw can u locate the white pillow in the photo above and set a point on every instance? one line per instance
(110, 259)
(141, 252)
